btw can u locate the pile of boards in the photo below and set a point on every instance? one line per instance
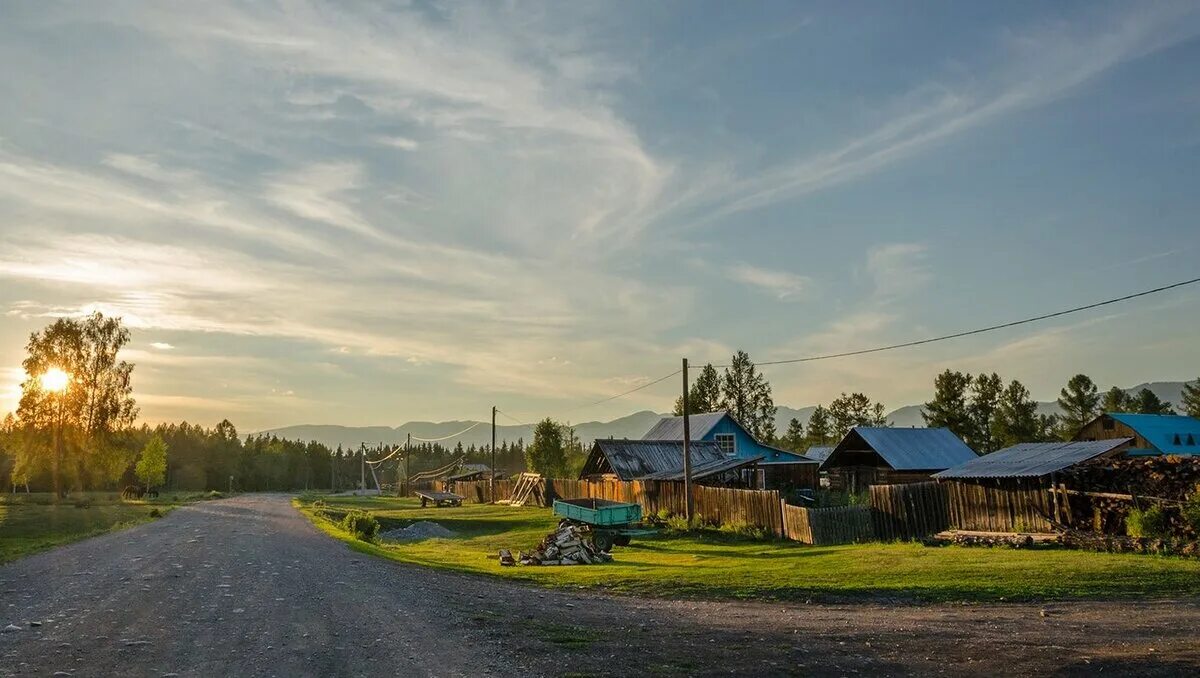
(1168, 477)
(568, 545)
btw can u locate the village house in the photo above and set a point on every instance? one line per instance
(775, 469)
(624, 459)
(1152, 434)
(882, 455)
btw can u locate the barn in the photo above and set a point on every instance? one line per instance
(623, 459)
(882, 455)
(1152, 434)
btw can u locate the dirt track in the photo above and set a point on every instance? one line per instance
(246, 586)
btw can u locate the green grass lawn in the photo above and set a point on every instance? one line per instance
(35, 522)
(720, 565)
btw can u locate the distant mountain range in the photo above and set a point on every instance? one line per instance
(631, 426)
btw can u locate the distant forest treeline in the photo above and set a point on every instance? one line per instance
(200, 458)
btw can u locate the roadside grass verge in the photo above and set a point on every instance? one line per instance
(723, 565)
(35, 522)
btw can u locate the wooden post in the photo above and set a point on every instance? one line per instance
(689, 502)
(492, 484)
(407, 454)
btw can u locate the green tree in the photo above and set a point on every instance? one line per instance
(985, 398)
(1080, 404)
(1190, 403)
(1115, 400)
(1016, 419)
(819, 430)
(704, 395)
(949, 407)
(856, 409)
(547, 454)
(79, 422)
(151, 467)
(1146, 402)
(746, 395)
(793, 438)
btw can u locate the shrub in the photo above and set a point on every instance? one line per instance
(155, 513)
(681, 524)
(1191, 512)
(361, 524)
(83, 503)
(213, 494)
(663, 515)
(745, 530)
(1150, 522)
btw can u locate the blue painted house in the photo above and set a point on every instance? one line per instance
(780, 469)
(1152, 434)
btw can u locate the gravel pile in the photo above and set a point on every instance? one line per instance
(418, 531)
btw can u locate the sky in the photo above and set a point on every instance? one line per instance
(369, 213)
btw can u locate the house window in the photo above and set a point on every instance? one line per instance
(725, 441)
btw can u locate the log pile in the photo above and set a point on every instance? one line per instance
(1168, 477)
(568, 545)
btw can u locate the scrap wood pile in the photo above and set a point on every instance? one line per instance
(567, 545)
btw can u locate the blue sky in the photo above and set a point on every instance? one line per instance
(320, 212)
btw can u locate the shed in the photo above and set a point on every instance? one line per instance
(1152, 434)
(1034, 460)
(468, 472)
(780, 469)
(881, 455)
(625, 459)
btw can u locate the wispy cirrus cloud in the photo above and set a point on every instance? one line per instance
(783, 285)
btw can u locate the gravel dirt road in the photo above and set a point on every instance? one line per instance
(247, 587)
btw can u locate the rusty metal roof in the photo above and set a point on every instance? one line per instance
(704, 469)
(632, 459)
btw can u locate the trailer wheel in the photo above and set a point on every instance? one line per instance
(622, 540)
(602, 541)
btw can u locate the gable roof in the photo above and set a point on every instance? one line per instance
(636, 459)
(907, 449)
(671, 428)
(1168, 433)
(1033, 460)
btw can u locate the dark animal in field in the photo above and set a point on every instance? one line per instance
(133, 492)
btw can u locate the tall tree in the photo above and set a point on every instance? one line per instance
(856, 409)
(1115, 400)
(704, 395)
(1190, 403)
(151, 467)
(819, 431)
(547, 454)
(1080, 404)
(1146, 402)
(985, 398)
(1016, 418)
(746, 394)
(793, 438)
(949, 407)
(77, 418)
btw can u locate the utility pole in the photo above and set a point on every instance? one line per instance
(407, 454)
(332, 467)
(687, 452)
(492, 482)
(362, 455)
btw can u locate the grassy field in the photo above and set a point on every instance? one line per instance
(35, 522)
(720, 565)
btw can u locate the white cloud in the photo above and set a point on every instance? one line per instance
(402, 143)
(162, 345)
(898, 269)
(781, 284)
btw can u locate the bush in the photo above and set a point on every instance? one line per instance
(213, 494)
(663, 515)
(83, 503)
(745, 530)
(361, 524)
(1191, 512)
(1150, 522)
(155, 513)
(681, 524)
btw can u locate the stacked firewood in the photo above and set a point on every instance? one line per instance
(1165, 477)
(568, 545)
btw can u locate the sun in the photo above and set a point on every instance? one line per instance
(55, 380)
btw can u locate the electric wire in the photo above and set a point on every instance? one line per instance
(453, 435)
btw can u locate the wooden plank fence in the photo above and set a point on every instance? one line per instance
(828, 526)
(908, 511)
(1016, 506)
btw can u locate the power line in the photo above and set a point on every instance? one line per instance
(453, 435)
(622, 395)
(373, 462)
(510, 417)
(981, 330)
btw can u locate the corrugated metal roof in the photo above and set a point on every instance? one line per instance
(671, 428)
(1168, 433)
(703, 470)
(631, 459)
(820, 453)
(908, 449)
(1032, 460)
